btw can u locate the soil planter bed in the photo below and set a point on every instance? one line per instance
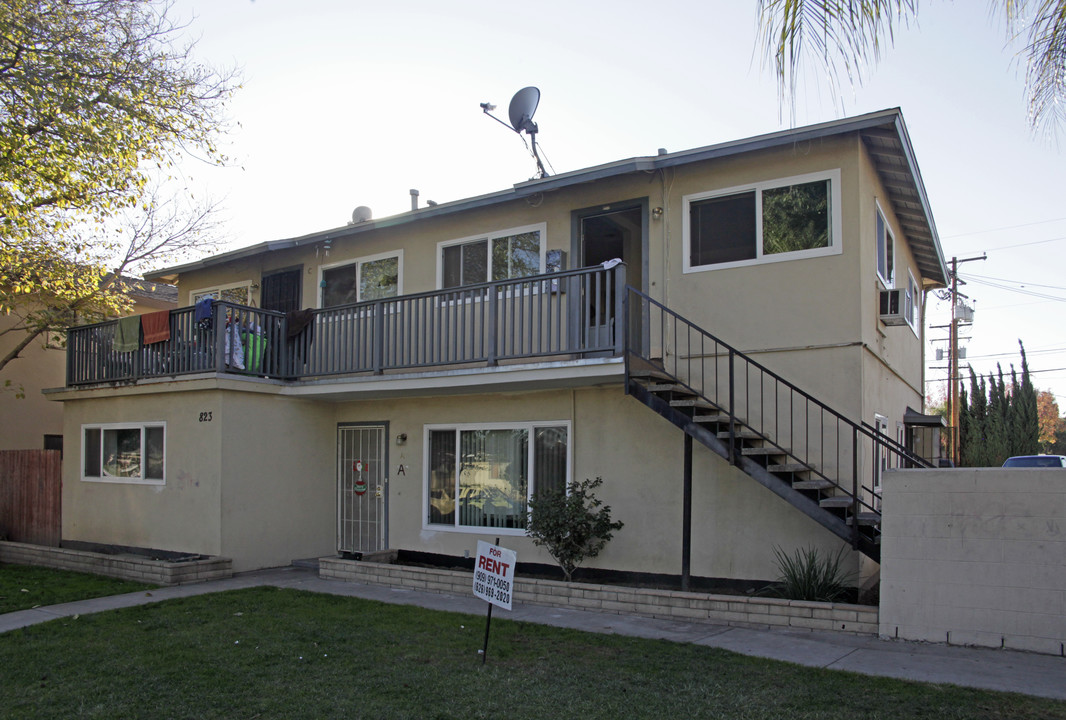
(171, 569)
(743, 611)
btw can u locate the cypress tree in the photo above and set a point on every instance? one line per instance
(1025, 417)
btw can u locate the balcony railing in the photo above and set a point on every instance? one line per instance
(572, 313)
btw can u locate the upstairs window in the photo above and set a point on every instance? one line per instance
(237, 293)
(886, 251)
(505, 255)
(779, 220)
(910, 303)
(365, 279)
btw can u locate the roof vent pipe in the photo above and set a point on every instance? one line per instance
(662, 151)
(414, 199)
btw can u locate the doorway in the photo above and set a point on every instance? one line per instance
(281, 290)
(362, 488)
(606, 232)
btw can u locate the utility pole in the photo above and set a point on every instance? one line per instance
(953, 360)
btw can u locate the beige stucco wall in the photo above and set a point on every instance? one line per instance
(639, 455)
(24, 421)
(975, 556)
(279, 481)
(257, 482)
(249, 475)
(183, 514)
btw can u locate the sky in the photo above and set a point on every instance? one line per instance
(349, 103)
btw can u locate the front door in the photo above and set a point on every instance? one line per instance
(281, 290)
(615, 231)
(361, 488)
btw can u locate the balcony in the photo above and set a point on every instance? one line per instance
(539, 318)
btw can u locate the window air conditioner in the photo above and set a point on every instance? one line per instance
(892, 307)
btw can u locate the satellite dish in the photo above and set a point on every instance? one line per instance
(361, 214)
(520, 111)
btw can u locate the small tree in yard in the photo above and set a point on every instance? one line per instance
(574, 526)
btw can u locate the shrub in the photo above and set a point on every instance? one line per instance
(574, 526)
(810, 574)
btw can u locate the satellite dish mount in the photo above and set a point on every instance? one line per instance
(520, 113)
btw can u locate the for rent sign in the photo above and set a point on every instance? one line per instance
(494, 574)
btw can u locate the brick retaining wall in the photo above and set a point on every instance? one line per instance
(124, 566)
(645, 602)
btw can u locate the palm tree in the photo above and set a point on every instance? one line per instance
(844, 35)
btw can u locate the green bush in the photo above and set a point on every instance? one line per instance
(810, 574)
(574, 526)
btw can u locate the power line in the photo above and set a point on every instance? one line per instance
(1031, 293)
(1008, 227)
(1023, 283)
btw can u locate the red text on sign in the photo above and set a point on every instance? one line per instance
(492, 566)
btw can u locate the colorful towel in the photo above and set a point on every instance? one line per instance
(128, 333)
(156, 326)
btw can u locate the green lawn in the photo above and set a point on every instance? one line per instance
(274, 653)
(23, 587)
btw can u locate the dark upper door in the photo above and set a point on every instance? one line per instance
(611, 232)
(282, 290)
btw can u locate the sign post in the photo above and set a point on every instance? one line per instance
(493, 580)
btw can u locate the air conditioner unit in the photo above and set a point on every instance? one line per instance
(892, 307)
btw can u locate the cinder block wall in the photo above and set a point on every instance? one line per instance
(975, 556)
(647, 602)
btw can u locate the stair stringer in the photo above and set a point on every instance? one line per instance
(764, 477)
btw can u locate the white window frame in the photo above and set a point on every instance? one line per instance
(359, 262)
(106, 478)
(218, 289)
(541, 228)
(912, 300)
(836, 242)
(888, 282)
(529, 426)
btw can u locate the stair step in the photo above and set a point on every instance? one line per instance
(812, 484)
(768, 450)
(657, 387)
(649, 374)
(837, 501)
(788, 468)
(867, 518)
(692, 403)
(742, 433)
(717, 418)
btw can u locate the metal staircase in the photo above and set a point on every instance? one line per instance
(793, 444)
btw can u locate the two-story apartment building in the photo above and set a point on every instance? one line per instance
(410, 382)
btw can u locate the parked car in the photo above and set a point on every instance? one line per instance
(1037, 461)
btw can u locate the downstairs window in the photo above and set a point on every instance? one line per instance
(133, 453)
(483, 476)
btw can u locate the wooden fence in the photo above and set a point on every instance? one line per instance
(31, 496)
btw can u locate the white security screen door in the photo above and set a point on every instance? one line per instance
(361, 488)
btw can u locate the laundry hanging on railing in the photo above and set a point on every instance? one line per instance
(299, 320)
(234, 351)
(254, 346)
(156, 326)
(202, 313)
(127, 334)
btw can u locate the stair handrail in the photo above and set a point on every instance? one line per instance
(862, 427)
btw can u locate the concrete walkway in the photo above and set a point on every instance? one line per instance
(1032, 674)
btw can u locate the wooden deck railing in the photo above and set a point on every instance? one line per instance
(576, 312)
